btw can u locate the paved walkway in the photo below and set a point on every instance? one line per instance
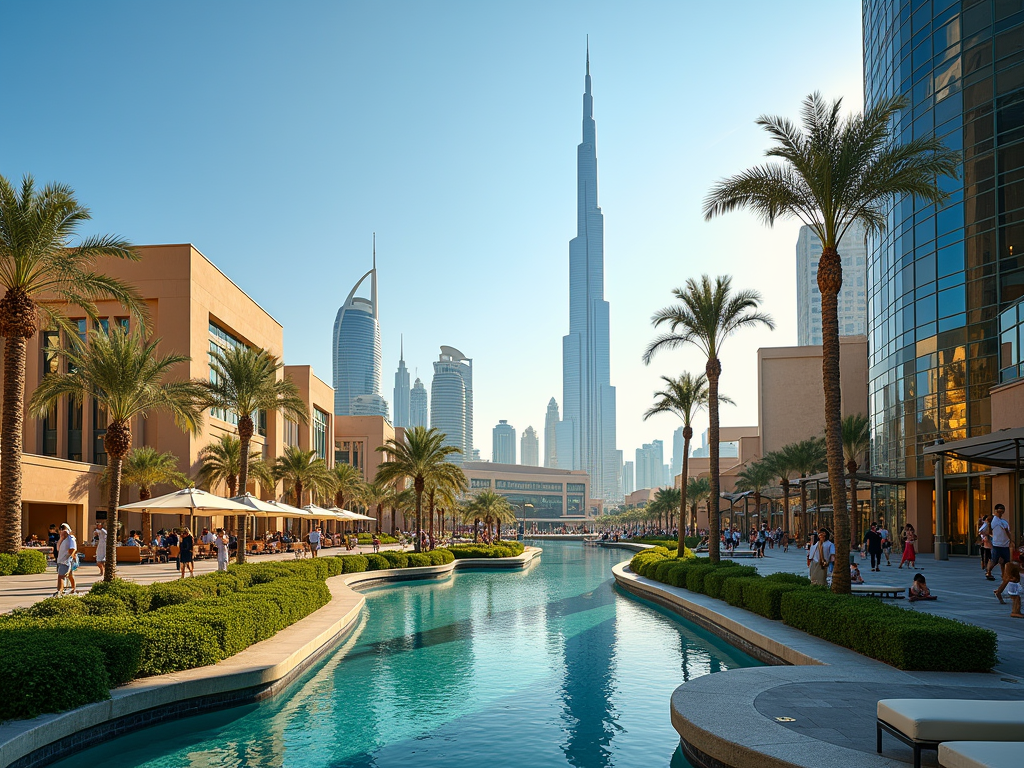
(23, 591)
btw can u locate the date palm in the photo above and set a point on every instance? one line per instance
(441, 494)
(145, 467)
(697, 490)
(493, 508)
(37, 256)
(756, 477)
(303, 471)
(376, 495)
(420, 457)
(780, 465)
(856, 443)
(348, 480)
(835, 171)
(124, 373)
(807, 458)
(247, 381)
(708, 313)
(683, 396)
(221, 460)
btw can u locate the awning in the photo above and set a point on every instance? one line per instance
(997, 449)
(862, 477)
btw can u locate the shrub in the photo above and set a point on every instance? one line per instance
(180, 591)
(30, 561)
(172, 645)
(661, 569)
(7, 564)
(52, 608)
(396, 558)
(713, 581)
(335, 566)
(677, 574)
(734, 588)
(788, 578)
(103, 605)
(441, 556)
(377, 563)
(367, 538)
(905, 639)
(695, 576)
(354, 563)
(765, 597)
(135, 597)
(418, 560)
(640, 559)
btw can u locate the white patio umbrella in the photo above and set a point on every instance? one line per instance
(266, 508)
(188, 501)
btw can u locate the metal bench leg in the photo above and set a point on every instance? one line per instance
(917, 756)
(878, 738)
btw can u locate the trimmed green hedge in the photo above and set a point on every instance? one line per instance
(377, 563)
(713, 581)
(690, 542)
(734, 588)
(418, 559)
(764, 597)
(367, 538)
(503, 549)
(25, 562)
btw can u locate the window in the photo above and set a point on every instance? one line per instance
(51, 364)
(99, 429)
(291, 433)
(349, 452)
(124, 323)
(321, 422)
(74, 431)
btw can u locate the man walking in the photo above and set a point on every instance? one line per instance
(314, 541)
(820, 558)
(873, 539)
(67, 560)
(101, 547)
(1000, 550)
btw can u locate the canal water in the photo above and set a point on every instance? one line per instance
(547, 667)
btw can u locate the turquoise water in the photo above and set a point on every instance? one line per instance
(551, 666)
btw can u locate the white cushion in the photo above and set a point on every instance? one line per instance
(954, 719)
(980, 754)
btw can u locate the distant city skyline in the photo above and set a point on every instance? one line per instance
(402, 401)
(529, 448)
(503, 443)
(853, 298)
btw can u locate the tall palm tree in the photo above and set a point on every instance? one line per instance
(302, 471)
(697, 490)
(471, 515)
(124, 373)
(376, 495)
(421, 456)
(146, 467)
(781, 466)
(246, 381)
(708, 313)
(442, 493)
(807, 457)
(856, 443)
(348, 481)
(669, 500)
(683, 396)
(221, 460)
(834, 172)
(37, 257)
(756, 476)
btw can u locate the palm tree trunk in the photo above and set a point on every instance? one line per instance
(430, 503)
(830, 282)
(147, 518)
(714, 370)
(803, 511)
(117, 441)
(681, 547)
(245, 431)
(757, 508)
(418, 487)
(785, 500)
(851, 466)
(13, 436)
(476, 530)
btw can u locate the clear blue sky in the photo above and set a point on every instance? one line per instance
(277, 136)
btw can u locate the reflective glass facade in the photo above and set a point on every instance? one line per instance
(939, 275)
(451, 402)
(1011, 337)
(356, 349)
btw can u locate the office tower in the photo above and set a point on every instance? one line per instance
(357, 356)
(588, 398)
(650, 465)
(418, 405)
(529, 448)
(403, 406)
(567, 449)
(627, 478)
(853, 298)
(503, 443)
(939, 275)
(451, 401)
(550, 435)
(677, 452)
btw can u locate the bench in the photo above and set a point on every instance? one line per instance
(979, 754)
(878, 590)
(925, 723)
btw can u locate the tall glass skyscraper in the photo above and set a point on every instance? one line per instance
(588, 398)
(939, 275)
(403, 414)
(551, 420)
(357, 355)
(853, 302)
(503, 443)
(451, 401)
(529, 448)
(418, 413)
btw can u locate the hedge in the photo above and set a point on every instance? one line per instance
(713, 581)
(733, 589)
(367, 538)
(764, 597)
(502, 549)
(23, 563)
(418, 560)
(690, 542)
(377, 563)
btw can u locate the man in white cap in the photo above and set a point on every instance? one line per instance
(67, 560)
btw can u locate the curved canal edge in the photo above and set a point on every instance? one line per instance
(259, 672)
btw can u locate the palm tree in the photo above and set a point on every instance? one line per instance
(146, 467)
(122, 372)
(245, 381)
(470, 515)
(697, 490)
(755, 477)
(807, 457)
(669, 500)
(220, 462)
(856, 443)
(37, 257)
(348, 481)
(422, 456)
(835, 172)
(494, 508)
(376, 495)
(302, 471)
(708, 314)
(442, 493)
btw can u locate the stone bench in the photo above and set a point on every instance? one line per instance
(980, 754)
(878, 590)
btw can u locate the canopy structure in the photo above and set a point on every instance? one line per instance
(319, 513)
(344, 514)
(998, 449)
(188, 500)
(287, 510)
(257, 506)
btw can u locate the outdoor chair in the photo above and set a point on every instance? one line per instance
(979, 754)
(925, 723)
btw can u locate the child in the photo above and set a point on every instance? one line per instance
(855, 577)
(1013, 589)
(919, 589)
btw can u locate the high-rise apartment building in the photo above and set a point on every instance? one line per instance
(853, 298)
(503, 443)
(451, 401)
(650, 465)
(529, 448)
(627, 478)
(356, 350)
(938, 275)
(550, 435)
(418, 413)
(677, 453)
(403, 412)
(588, 398)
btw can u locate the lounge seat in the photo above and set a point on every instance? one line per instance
(878, 590)
(924, 723)
(980, 754)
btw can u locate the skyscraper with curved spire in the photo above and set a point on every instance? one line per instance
(357, 355)
(588, 398)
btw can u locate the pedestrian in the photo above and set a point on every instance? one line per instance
(820, 558)
(1000, 545)
(314, 540)
(101, 547)
(985, 536)
(185, 553)
(855, 577)
(53, 539)
(886, 540)
(67, 560)
(376, 543)
(1013, 589)
(919, 589)
(220, 543)
(909, 546)
(873, 540)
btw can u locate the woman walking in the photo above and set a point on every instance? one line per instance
(909, 546)
(985, 535)
(67, 560)
(185, 547)
(820, 558)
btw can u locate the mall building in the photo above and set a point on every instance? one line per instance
(544, 499)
